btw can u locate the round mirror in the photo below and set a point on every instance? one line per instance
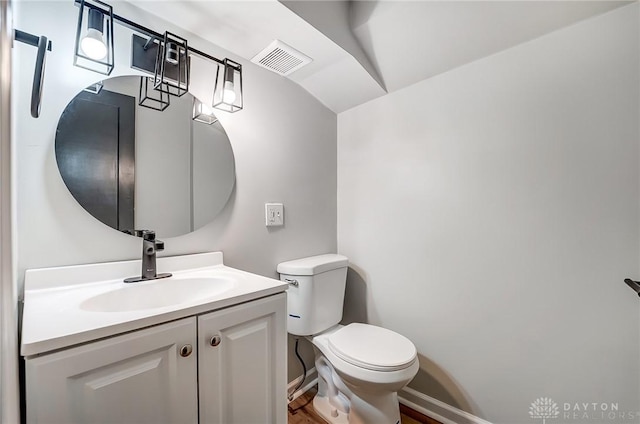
(137, 167)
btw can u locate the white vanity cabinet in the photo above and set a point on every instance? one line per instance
(138, 377)
(241, 363)
(170, 373)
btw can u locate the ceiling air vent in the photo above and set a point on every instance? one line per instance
(281, 58)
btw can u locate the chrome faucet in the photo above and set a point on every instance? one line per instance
(149, 248)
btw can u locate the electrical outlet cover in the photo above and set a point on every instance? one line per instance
(274, 214)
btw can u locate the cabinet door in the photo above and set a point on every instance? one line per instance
(242, 380)
(140, 377)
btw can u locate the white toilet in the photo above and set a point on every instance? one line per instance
(360, 367)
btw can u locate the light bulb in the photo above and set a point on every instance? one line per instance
(205, 109)
(93, 46)
(229, 92)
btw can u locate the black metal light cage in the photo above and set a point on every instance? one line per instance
(150, 98)
(230, 72)
(80, 59)
(201, 114)
(95, 88)
(171, 73)
(228, 66)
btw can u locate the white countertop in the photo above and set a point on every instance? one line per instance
(53, 317)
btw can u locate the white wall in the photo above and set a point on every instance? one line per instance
(9, 311)
(284, 143)
(491, 214)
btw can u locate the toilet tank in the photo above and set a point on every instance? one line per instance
(316, 292)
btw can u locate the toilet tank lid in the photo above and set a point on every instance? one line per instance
(313, 265)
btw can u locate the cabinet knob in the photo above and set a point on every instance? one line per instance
(186, 350)
(215, 341)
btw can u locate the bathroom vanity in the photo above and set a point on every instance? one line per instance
(205, 345)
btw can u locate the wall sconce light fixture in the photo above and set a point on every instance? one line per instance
(172, 66)
(227, 94)
(203, 113)
(94, 48)
(150, 98)
(166, 57)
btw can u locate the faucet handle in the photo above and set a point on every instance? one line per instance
(148, 235)
(159, 245)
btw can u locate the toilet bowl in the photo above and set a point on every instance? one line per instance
(372, 363)
(360, 367)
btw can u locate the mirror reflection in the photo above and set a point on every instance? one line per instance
(136, 168)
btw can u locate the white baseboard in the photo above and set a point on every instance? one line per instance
(426, 405)
(312, 380)
(436, 409)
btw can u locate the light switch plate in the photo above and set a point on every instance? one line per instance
(274, 214)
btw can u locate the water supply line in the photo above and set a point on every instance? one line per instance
(304, 372)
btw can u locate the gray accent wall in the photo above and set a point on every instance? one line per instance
(491, 213)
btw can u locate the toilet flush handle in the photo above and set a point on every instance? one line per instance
(294, 283)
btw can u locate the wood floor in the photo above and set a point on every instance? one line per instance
(301, 412)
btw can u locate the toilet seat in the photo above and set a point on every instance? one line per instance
(372, 348)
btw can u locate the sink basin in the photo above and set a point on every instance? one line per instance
(156, 294)
(75, 304)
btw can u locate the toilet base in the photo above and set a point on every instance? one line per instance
(327, 412)
(374, 408)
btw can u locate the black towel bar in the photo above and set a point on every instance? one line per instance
(635, 285)
(43, 44)
(30, 39)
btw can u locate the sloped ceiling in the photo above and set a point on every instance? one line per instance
(408, 41)
(364, 49)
